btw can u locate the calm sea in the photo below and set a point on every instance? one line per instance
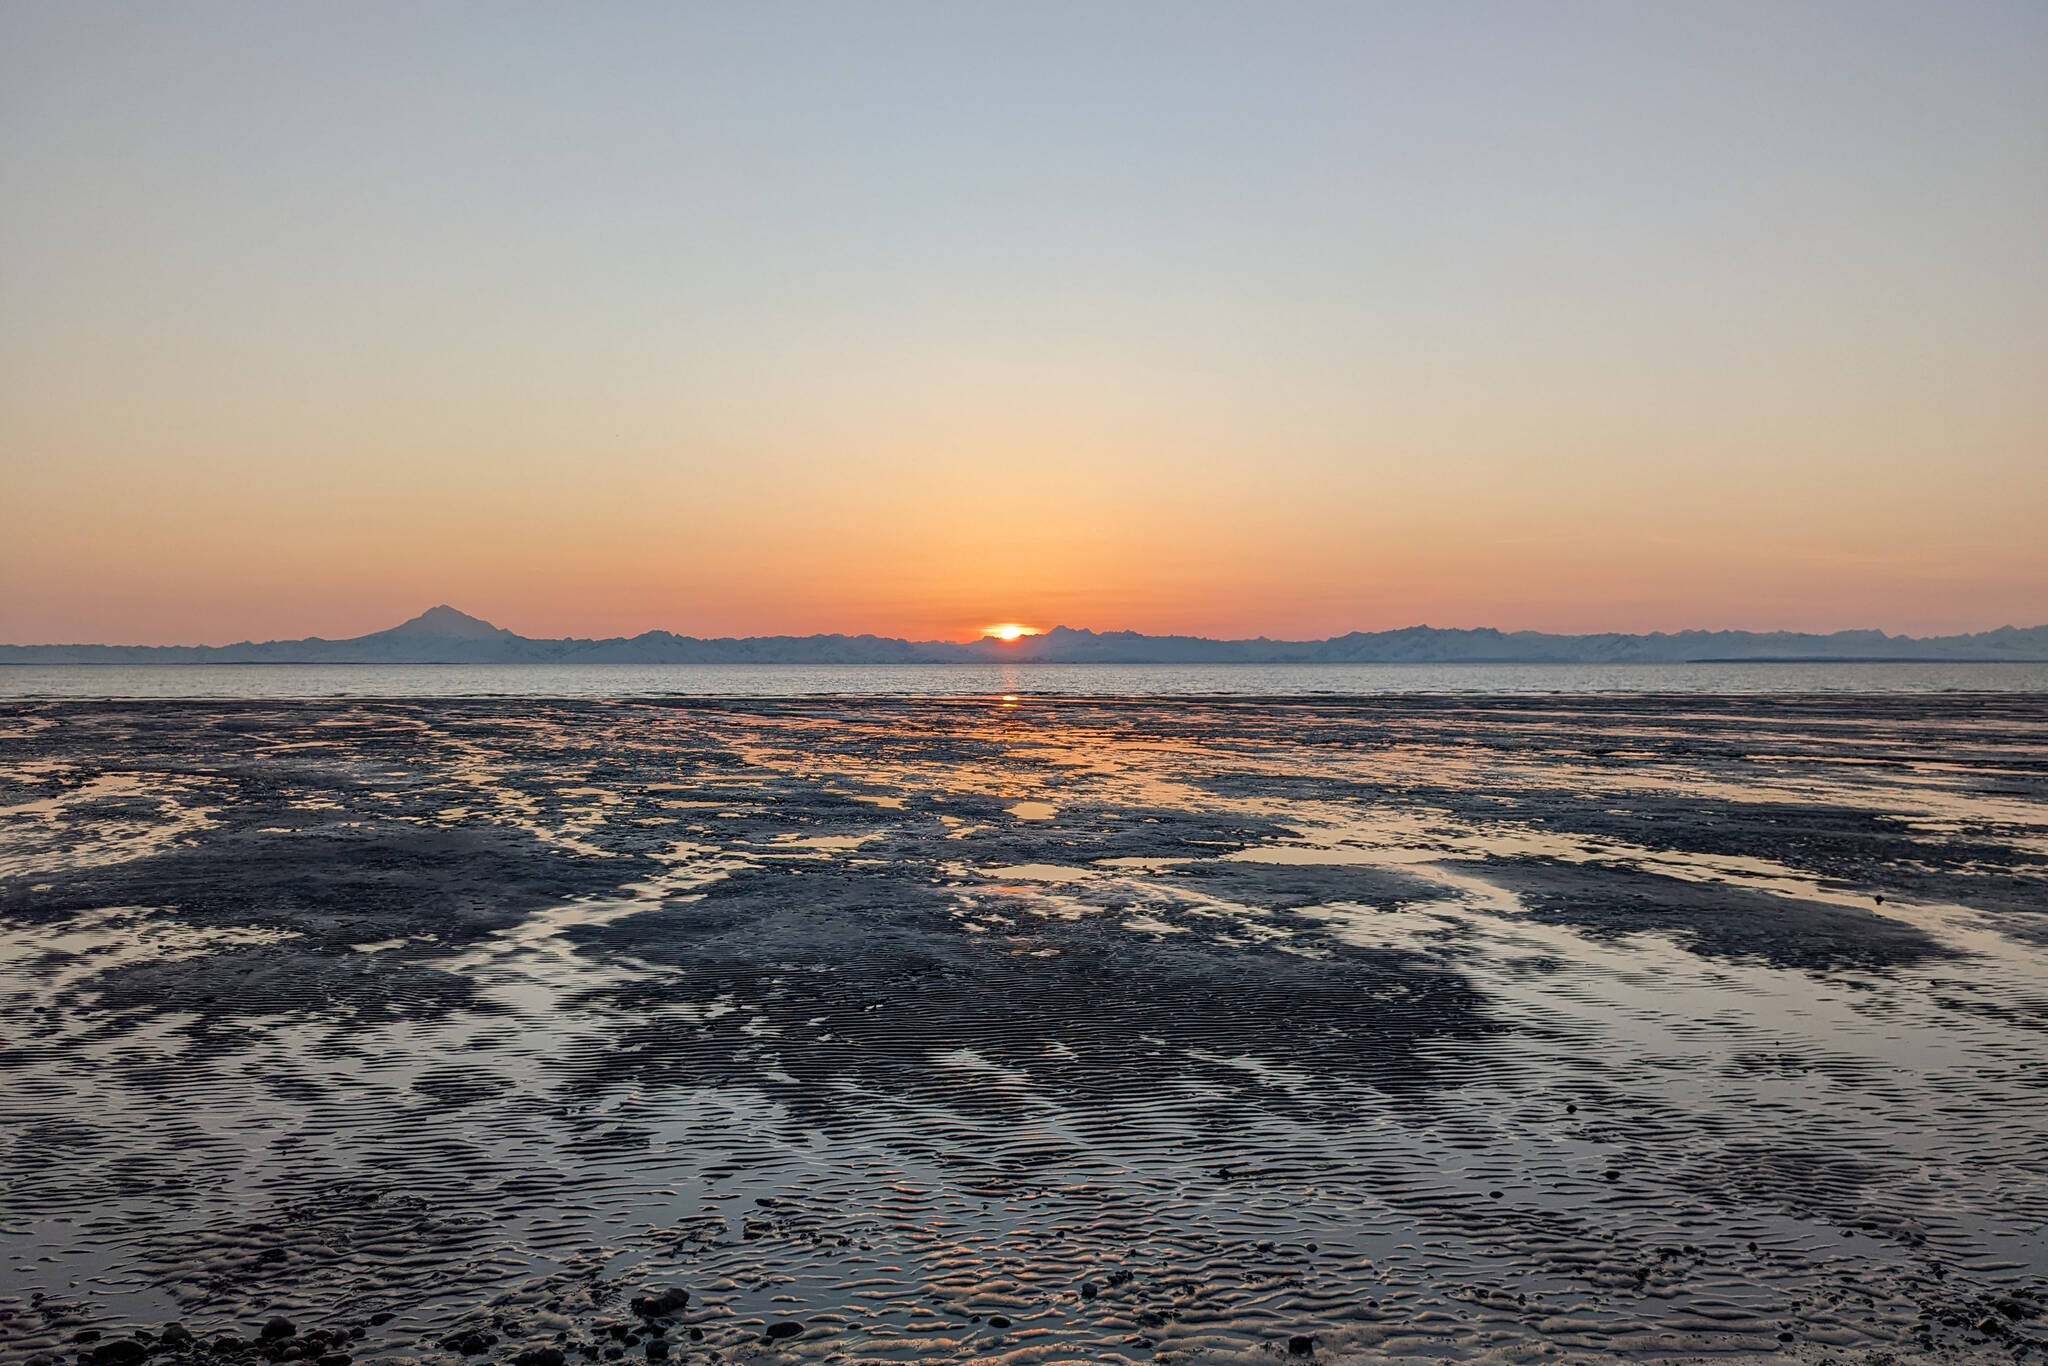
(970, 680)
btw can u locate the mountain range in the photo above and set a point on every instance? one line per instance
(443, 635)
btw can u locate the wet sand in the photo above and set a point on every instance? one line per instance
(1160, 1030)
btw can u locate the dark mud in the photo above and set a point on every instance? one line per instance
(1149, 1030)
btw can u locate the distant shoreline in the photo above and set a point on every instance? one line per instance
(1892, 660)
(444, 636)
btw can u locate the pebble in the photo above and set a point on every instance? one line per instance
(788, 1328)
(1301, 1344)
(670, 1301)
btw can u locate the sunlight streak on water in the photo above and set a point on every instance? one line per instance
(1009, 681)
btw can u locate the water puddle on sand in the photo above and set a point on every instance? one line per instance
(1097, 1030)
(102, 819)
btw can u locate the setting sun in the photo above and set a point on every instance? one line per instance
(1009, 631)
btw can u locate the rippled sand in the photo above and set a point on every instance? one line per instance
(1032, 1031)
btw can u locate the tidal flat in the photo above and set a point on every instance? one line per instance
(1025, 1029)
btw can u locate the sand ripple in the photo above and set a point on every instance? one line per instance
(1077, 1030)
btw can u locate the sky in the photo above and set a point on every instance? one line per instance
(1258, 318)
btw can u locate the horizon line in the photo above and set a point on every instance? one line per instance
(988, 636)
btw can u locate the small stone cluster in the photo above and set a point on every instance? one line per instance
(278, 1341)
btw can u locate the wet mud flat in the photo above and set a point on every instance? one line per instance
(1025, 1030)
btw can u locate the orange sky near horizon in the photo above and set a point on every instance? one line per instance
(930, 555)
(175, 521)
(1182, 527)
(772, 320)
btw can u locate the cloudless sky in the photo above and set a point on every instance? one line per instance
(1236, 319)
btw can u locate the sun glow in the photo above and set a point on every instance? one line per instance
(1008, 631)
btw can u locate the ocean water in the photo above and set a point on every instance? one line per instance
(973, 680)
